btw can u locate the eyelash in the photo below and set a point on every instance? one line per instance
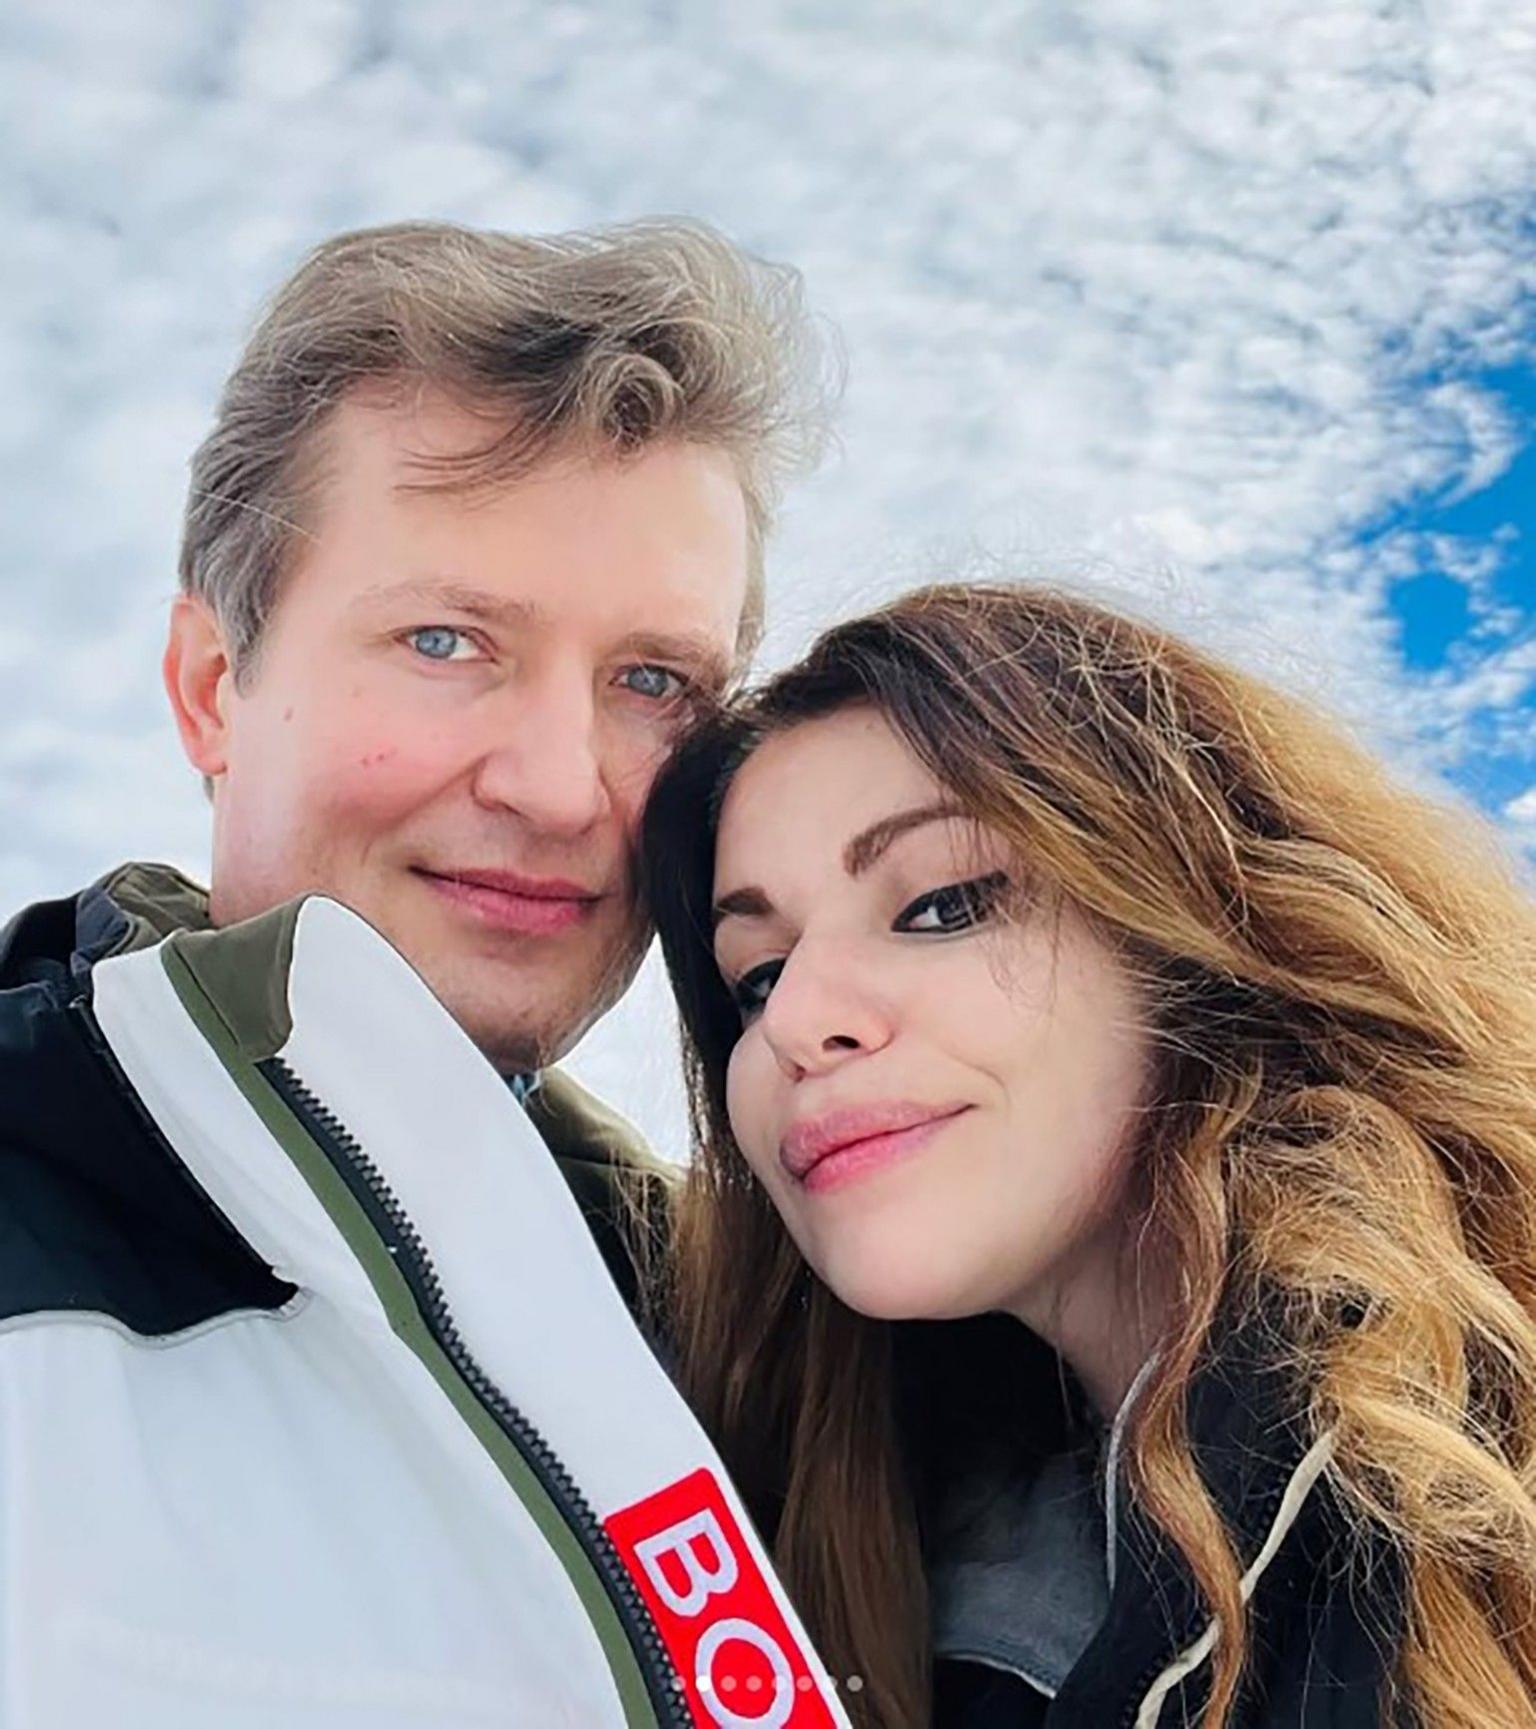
(978, 898)
(683, 686)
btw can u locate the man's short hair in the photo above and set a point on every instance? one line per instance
(612, 339)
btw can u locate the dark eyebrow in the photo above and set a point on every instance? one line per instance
(859, 854)
(867, 846)
(454, 596)
(748, 903)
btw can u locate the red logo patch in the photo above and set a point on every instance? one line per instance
(740, 1665)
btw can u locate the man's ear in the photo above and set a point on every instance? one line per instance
(200, 680)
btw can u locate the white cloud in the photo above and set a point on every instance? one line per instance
(1191, 291)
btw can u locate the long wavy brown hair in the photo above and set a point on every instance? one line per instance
(1340, 980)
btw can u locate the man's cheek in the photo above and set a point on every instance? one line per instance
(630, 779)
(379, 778)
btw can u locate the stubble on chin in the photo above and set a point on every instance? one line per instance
(504, 1025)
(523, 1024)
(511, 1051)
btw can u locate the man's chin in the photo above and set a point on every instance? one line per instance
(513, 1045)
(518, 1037)
(525, 1012)
(512, 1054)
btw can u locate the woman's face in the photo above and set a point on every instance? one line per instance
(937, 1098)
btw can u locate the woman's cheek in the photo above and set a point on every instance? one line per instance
(751, 1102)
(741, 1106)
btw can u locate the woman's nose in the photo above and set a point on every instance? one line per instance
(820, 1014)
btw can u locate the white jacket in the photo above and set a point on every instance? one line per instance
(443, 1482)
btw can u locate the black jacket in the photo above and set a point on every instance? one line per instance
(1327, 1602)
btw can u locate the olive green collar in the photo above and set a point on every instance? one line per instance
(156, 900)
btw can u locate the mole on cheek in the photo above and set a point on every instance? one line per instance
(287, 714)
(375, 757)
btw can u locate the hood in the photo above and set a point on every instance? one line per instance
(57, 941)
(95, 1210)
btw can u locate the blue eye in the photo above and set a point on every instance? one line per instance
(442, 642)
(657, 683)
(750, 992)
(956, 907)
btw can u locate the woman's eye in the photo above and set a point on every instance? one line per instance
(954, 908)
(443, 642)
(658, 683)
(750, 991)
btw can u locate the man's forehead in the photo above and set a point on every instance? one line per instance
(425, 448)
(404, 431)
(425, 440)
(658, 541)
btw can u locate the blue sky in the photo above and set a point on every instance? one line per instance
(1446, 620)
(1222, 313)
(1436, 609)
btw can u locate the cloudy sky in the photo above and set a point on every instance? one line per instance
(1224, 310)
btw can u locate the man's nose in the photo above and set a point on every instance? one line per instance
(543, 758)
(822, 1013)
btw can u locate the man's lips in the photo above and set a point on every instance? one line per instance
(825, 1151)
(531, 906)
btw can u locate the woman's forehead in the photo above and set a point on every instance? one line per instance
(833, 806)
(819, 781)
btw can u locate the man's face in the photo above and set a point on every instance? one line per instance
(459, 705)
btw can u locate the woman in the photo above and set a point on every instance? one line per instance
(1036, 968)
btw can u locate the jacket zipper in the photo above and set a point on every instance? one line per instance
(663, 1684)
(1270, 1503)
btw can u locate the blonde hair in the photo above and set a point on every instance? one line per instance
(617, 339)
(1340, 980)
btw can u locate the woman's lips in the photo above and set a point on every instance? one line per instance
(830, 1151)
(527, 906)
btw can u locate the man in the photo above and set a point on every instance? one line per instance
(479, 523)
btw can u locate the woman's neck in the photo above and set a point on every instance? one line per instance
(1103, 1317)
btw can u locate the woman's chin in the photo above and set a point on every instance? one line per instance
(887, 1286)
